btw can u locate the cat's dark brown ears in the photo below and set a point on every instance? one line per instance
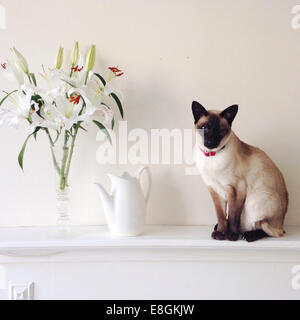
(230, 113)
(198, 111)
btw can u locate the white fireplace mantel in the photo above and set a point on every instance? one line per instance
(179, 262)
(48, 244)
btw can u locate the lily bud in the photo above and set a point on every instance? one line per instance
(75, 54)
(90, 59)
(16, 72)
(59, 58)
(20, 60)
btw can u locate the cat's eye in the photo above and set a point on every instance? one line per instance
(204, 129)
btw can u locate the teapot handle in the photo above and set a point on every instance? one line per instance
(139, 174)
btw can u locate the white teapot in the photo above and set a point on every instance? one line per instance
(125, 209)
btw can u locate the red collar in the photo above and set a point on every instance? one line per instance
(210, 153)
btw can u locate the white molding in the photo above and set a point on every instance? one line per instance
(21, 291)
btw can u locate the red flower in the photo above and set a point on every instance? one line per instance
(3, 65)
(117, 72)
(77, 68)
(75, 100)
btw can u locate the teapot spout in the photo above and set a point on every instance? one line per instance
(108, 204)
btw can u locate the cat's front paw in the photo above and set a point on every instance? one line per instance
(232, 236)
(217, 235)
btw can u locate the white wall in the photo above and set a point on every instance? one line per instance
(219, 52)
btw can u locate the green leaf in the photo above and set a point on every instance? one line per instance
(112, 123)
(115, 97)
(101, 127)
(68, 82)
(35, 132)
(38, 99)
(7, 95)
(100, 78)
(82, 128)
(105, 105)
(32, 76)
(21, 154)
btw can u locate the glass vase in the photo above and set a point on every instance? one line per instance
(62, 153)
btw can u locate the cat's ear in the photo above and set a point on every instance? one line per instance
(230, 113)
(198, 110)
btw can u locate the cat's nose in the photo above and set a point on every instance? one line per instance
(209, 143)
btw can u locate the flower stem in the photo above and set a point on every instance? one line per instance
(63, 180)
(52, 152)
(72, 150)
(71, 72)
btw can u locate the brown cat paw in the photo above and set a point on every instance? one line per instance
(232, 236)
(217, 235)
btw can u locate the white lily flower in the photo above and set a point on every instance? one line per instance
(108, 89)
(51, 118)
(18, 108)
(9, 118)
(89, 108)
(104, 90)
(106, 114)
(93, 94)
(63, 113)
(55, 80)
(9, 69)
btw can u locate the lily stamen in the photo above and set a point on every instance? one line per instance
(75, 100)
(76, 68)
(116, 71)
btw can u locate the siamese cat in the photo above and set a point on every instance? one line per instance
(248, 190)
